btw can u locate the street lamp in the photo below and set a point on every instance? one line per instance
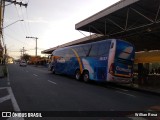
(12, 24)
(1, 29)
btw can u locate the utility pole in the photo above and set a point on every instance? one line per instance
(2, 8)
(22, 52)
(36, 42)
(2, 54)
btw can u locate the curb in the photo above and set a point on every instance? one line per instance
(3, 71)
(147, 91)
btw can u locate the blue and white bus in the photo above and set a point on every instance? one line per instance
(108, 60)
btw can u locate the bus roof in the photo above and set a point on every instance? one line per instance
(93, 43)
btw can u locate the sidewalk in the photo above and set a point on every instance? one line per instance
(1, 71)
(144, 89)
(5, 97)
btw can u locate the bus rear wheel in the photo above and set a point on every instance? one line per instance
(77, 75)
(86, 76)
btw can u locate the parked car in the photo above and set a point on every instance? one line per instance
(23, 63)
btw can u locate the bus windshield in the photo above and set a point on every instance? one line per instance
(124, 52)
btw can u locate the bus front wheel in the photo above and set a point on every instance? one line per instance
(86, 76)
(77, 75)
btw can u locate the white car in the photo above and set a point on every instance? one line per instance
(23, 63)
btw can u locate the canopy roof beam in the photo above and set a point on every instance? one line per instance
(157, 13)
(147, 18)
(115, 24)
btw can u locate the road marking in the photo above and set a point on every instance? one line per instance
(13, 100)
(2, 99)
(122, 89)
(126, 94)
(3, 88)
(52, 82)
(8, 81)
(118, 89)
(35, 75)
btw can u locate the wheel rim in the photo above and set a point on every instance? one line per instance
(77, 75)
(86, 77)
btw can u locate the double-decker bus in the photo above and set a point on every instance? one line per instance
(108, 60)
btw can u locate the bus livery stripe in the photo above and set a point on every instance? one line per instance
(122, 75)
(79, 61)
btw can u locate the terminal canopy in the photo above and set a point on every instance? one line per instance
(136, 21)
(147, 57)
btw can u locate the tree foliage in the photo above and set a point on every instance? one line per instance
(26, 57)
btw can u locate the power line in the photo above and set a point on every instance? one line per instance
(17, 3)
(25, 27)
(28, 22)
(20, 50)
(20, 18)
(14, 38)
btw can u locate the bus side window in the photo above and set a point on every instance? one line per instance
(94, 50)
(86, 50)
(112, 45)
(79, 51)
(60, 53)
(103, 49)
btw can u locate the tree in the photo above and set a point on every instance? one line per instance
(26, 57)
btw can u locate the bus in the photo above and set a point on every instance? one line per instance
(109, 60)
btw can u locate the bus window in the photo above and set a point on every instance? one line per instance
(125, 53)
(94, 50)
(86, 50)
(104, 49)
(60, 53)
(80, 51)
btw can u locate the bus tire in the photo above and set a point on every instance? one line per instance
(77, 75)
(86, 76)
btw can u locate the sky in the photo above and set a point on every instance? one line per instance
(51, 21)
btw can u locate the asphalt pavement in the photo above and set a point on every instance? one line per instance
(36, 89)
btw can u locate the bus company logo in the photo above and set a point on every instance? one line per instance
(6, 114)
(122, 69)
(61, 60)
